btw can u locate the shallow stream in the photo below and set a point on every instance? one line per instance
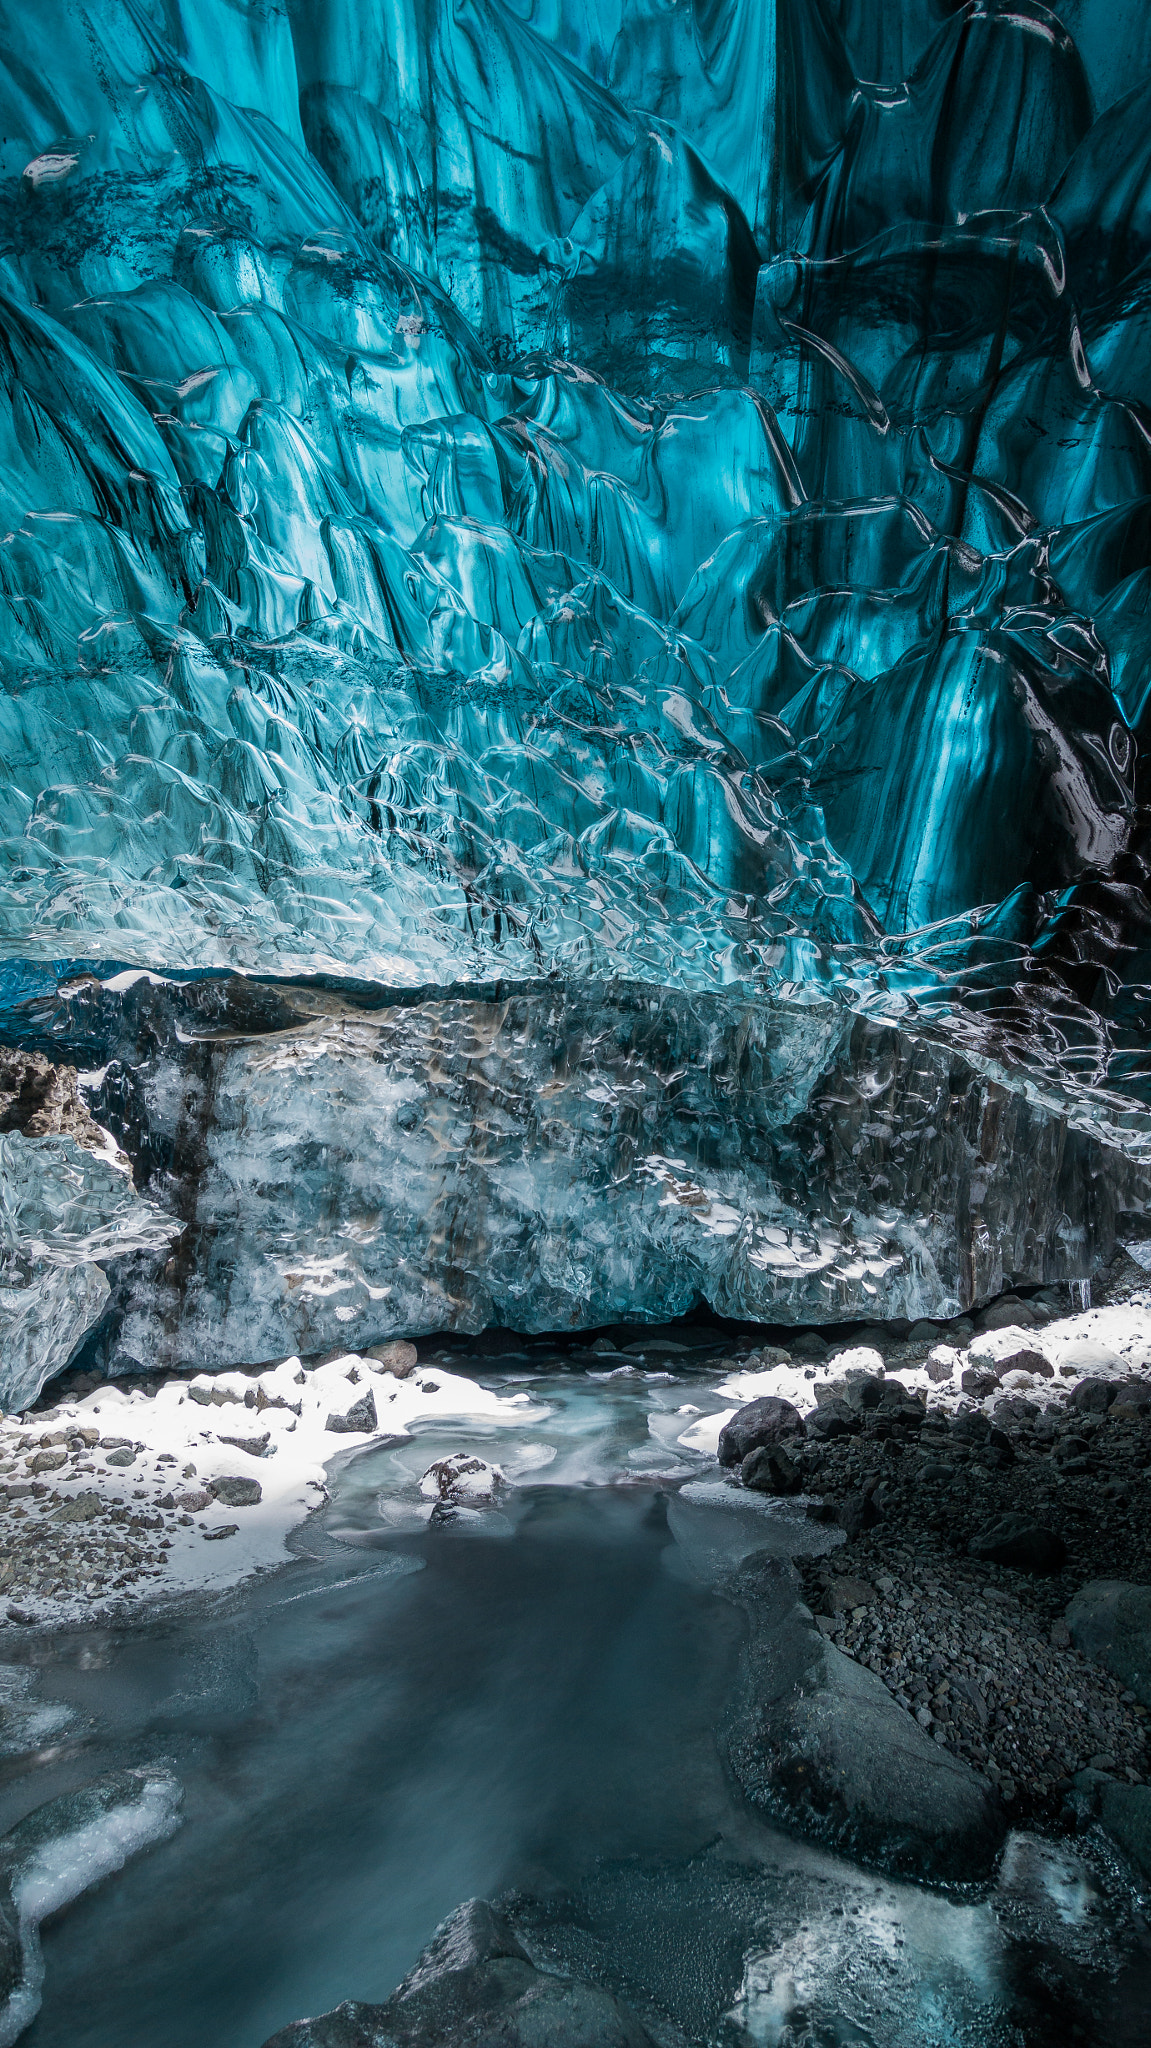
(520, 1698)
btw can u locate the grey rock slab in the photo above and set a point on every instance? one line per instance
(818, 1741)
(1110, 1622)
(476, 1986)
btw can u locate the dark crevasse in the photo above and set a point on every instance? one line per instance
(514, 488)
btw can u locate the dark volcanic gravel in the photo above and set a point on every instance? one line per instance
(980, 1653)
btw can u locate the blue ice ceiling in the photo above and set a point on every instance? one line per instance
(647, 489)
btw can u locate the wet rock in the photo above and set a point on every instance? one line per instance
(360, 1420)
(1020, 1541)
(233, 1492)
(770, 1470)
(400, 1358)
(1110, 1621)
(475, 1986)
(760, 1422)
(817, 1740)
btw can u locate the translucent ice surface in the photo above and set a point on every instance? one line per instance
(527, 488)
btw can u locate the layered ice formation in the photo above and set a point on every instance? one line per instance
(512, 492)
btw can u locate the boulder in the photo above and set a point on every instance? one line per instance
(770, 1470)
(832, 1419)
(760, 1422)
(360, 1420)
(819, 1743)
(475, 1985)
(1094, 1396)
(1131, 1403)
(1110, 1622)
(1020, 1541)
(1024, 1359)
(462, 1480)
(235, 1492)
(396, 1356)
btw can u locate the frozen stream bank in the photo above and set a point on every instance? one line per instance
(518, 1702)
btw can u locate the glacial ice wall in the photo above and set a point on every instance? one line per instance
(512, 487)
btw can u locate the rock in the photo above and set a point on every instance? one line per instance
(232, 1492)
(463, 1480)
(255, 1446)
(760, 1422)
(1024, 1359)
(1015, 1409)
(943, 1363)
(844, 1594)
(126, 1457)
(1094, 1396)
(809, 1344)
(1020, 1541)
(897, 1404)
(863, 1392)
(193, 1502)
(225, 1529)
(360, 1420)
(856, 1512)
(770, 1470)
(400, 1358)
(82, 1507)
(475, 1987)
(1110, 1622)
(1006, 1314)
(1125, 1811)
(47, 1461)
(980, 1434)
(817, 1740)
(212, 1397)
(979, 1380)
(830, 1420)
(1132, 1402)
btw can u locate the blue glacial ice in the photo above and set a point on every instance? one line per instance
(503, 494)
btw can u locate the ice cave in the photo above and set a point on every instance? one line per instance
(575, 989)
